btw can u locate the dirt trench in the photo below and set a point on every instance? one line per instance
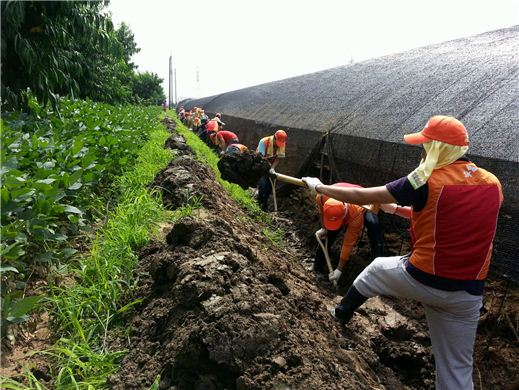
(226, 308)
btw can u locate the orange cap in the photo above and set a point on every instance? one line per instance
(441, 128)
(281, 138)
(334, 212)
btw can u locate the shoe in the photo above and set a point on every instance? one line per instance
(340, 316)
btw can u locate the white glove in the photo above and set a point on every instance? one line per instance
(311, 183)
(389, 208)
(335, 275)
(321, 233)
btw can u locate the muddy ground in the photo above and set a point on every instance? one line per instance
(225, 307)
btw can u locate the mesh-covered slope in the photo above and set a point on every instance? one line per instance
(366, 108)
(475, 79)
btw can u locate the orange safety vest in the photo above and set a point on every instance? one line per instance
(452, 235)
(269, 147)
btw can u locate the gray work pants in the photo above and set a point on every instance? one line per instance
(452, 317)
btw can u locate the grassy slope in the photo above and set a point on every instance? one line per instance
(84, 311)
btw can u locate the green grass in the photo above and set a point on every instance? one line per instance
(84, 310)
(274, 236)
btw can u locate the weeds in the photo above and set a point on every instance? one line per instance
(274, 236)
(193, 202)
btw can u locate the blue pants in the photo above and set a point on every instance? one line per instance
(264, 191)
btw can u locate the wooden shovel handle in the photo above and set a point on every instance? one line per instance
(326, 256)
(374, 208)
(286, 179)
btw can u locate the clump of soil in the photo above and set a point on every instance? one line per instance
(169, 123)
(226, 308)
(178, 144)
(244, 169)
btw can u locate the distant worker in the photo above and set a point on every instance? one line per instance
(218, 119)
(165, 105)
(202, 130)
(224, 138)
(273, 149)
(215, 124)
(454, 211)
(187, 116)
(336, 215)
(196, 123)
(236, 149)
(212, 125)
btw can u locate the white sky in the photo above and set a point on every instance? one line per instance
(237, 44)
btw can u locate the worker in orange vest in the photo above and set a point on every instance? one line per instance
(453, 207)
(273, 149)
(336, 215)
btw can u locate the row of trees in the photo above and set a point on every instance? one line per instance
(70, 48)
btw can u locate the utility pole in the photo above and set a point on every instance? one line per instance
(170, 102)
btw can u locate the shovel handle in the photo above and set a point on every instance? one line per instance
(374, 208)
(273, 183)
(326, 256)
(286, 179)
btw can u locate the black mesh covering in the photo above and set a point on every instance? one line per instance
(364, 109)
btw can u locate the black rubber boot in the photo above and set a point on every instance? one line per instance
(353, 299)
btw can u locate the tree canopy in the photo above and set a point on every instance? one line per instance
(147, 88)
(69, 48)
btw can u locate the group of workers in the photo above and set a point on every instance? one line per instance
(212, 133)
(452, 206)
(211, 130)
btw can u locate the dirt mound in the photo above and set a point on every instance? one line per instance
(244, 169)
(185, 181)
(169, 123)
(225, 308)
(178, 144)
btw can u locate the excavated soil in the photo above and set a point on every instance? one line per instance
(224, 307)
(244, 169)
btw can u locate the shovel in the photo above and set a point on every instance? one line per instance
(273, 183)
(324, 247)
(374, 208)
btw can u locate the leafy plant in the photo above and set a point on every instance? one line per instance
(14, 306)
(52, 166)
(147, 88)
(57, 172)
(274, 236)
(46, 47)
